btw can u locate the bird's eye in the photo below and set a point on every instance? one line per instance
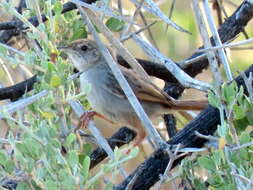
(84, 48)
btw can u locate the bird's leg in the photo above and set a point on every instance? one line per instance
(141, 134)
(87, 116)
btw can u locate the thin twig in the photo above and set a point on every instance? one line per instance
(6, 71)
(242, 146)
(151, 7)
(217, 40)
(183, 78)
(207, 137)
(129, 26)
(130, 35)
(166, 173)
(20, 104)
(206, 41)
(248, 83)
(151, 37)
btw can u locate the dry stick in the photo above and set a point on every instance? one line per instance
(217, 41)
(171, 11)
(206, 41)
(88, 14)
(12, 49)
(61, 114)
(169, 166)
(179, 74)
(123, 136)
(210, 55)
(5, 69)
(119, 2)
(228, 45)
(233, 168)
(151, 7)
(130, 35)
(187, 62)
(129, 26)
(20, 104)
(248, 82)
(149, 31)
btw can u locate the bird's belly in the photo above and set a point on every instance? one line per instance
(112, 107)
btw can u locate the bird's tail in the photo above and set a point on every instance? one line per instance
(190, 104)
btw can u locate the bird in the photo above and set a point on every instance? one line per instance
(109, 101)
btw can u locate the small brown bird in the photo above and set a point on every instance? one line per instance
(108, 99)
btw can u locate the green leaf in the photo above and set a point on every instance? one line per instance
(3, 50)
(199, 185)
(114, 24)
(50, 66)
(9, 166)
(229, 92)
(222, 130)
(245, 138)
(22, 148)
(87, 149)
(51, 185)
(80, 32)
(241, 124)
(3, 158)
(57, 7)
(207, 163)
(86, 167)
(215, 180)
(243, 154)
(33, 147)
(41, 27)
(72, 158)
(70, 139)
(239, 112)
(22, 186)
(55, 81)
(213, 99)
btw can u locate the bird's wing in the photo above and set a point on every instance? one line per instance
(144, 89)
